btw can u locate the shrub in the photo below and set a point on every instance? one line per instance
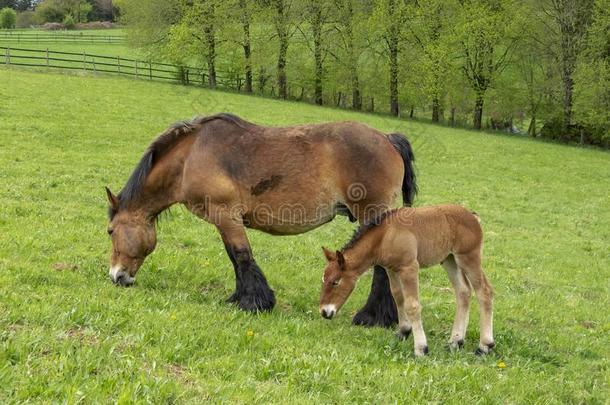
(69, 22)
(8, 18)
(591, 135)
(26, 19)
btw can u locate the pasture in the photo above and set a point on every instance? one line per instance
(68, 334)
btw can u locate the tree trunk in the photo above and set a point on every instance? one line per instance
(452, 120)
(247, 45)
(316, 28)
(210, 41)
(531, 131)
(351, 54)
(478, 111)
(393, 48)
(436, 108)
(281, 25)
(412, 112)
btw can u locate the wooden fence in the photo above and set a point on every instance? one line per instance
(112, 65)
(59, 36)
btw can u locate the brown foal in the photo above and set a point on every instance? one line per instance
(403, 241)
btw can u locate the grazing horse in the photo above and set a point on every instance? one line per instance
(403, 241)
(282, 181)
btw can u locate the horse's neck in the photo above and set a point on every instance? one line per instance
(162, 188)
(363, 254)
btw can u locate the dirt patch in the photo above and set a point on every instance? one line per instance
(65, 266)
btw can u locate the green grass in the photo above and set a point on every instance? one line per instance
(66, 333)
(104, 49)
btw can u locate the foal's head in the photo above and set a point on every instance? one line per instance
(337, 284)
(133, 238)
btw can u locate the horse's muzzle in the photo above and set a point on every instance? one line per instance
(328, 311)
(121, 277)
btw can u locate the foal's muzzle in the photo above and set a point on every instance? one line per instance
(328, 311)
(121, 277)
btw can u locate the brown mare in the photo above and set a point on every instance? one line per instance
(282, 181)
(403, 241)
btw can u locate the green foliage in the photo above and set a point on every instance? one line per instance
(8, 18)
(26, 19)
(58, 10)
(68, 335)
(69, 22)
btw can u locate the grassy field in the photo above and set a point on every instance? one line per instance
(92, 48)
(68, 334)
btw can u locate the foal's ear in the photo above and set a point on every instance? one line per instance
(112, 199)
(330, 255)
(340, 259)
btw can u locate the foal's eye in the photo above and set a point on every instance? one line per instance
(110, 231)
(336, 282)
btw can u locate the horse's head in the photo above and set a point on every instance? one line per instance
(133, 238)
(337, 284)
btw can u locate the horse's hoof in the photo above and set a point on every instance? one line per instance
(233, 298)
(456, 344)
(422, 351)
(403, 333)
(256, 303)
(369, 318)
(483, 349)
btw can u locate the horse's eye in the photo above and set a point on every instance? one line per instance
(110, 231)
(336, 282)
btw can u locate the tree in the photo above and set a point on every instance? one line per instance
(483, 26)
(8, 18)
(318, 12)
(430, 34)
(389, 18)
(592, 76)
(283, 27)
(566, 23)
(346, 25)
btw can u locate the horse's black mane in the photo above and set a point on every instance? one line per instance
(162, 145)
(364, 228)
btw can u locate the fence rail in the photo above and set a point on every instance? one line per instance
(110, 64)
(59, 36)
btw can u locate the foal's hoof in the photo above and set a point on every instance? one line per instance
(423, 351)
(403, 333)
(456, 344)
(484, 349)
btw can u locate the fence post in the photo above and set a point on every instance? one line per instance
(8, 55)
(94, 68)
(137, 76)
(85, 61)
(47, 56)
(118, 58)
(150, 70)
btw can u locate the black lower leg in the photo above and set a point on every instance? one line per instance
(252, 293)
(380, 308)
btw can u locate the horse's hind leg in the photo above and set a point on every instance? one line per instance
(252, 293)
(463, 293)
(470, 264)
(404, 326)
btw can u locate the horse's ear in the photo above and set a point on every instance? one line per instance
(112, 199)
(330, 255)
(340, 259)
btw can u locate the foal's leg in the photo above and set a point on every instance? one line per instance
(463, 293)
(470, 264)
(410, 287)
(252, 293)
(404, 326)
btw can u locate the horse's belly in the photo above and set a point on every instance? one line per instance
(287, 220)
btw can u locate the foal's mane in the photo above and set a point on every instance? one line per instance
(366, 227)
(163, 144)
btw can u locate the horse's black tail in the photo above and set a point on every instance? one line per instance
(409, 184)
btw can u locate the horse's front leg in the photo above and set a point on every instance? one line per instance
(252, 293)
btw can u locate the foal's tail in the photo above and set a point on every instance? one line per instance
(409, 184)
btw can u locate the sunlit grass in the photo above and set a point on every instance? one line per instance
(66, 333)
